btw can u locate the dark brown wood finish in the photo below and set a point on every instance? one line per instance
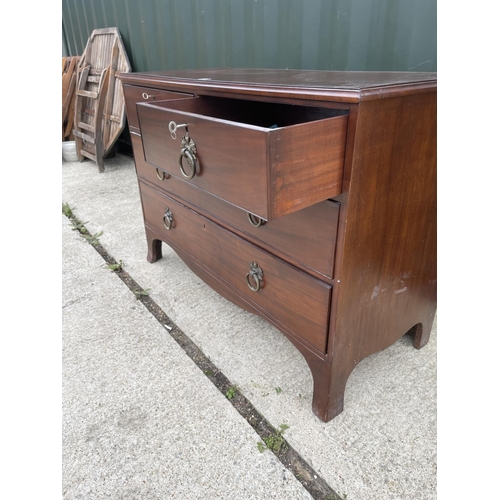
(134, 95)
(384, 255)
(296, 300)
(339, 86)
(314, 359)
(218, 167)
(386, 268)
(281, 170)
(313, 252)
(308, 165)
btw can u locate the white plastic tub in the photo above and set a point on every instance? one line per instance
(69, 151)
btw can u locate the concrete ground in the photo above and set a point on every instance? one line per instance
(142, 421)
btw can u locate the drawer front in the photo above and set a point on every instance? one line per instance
(134, 94)
(307, 237)
(296, 300)
(267, 159)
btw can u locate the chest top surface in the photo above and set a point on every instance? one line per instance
(348, 86)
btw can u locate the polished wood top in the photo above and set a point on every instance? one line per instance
(346, 86)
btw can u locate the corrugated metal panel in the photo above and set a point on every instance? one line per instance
(357, 35)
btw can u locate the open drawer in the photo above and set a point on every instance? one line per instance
(268, 159)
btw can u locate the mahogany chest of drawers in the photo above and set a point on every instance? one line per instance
(307, 197)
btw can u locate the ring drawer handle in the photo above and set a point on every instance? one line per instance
(256, 274)
(168, 219)
(161, 174)
(188, 151)
(255, 221)
(147, 96)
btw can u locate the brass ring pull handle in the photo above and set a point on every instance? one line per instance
(160, 174)
(188, 151)
(185, 153)
(256, 275)
(147, 96)
(255, 221)
(168, 219)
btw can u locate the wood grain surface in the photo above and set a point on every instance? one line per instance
(305, 238)
(267, 159)
(298, 301)
(386, 267)
(134, 94)
(373, 246)
(339, 86)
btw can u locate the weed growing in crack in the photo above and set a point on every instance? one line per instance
(93, 239)
(231, 392)
(67, 210)
(139, 293)
(275, 442)
(79, 226)
(115, 267)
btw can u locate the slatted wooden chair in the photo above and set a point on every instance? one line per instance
(100, 105)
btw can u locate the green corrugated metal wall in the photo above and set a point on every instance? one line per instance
(357, 35)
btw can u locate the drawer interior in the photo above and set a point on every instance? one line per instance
(266, 115)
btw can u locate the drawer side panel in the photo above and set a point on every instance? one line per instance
(308, 163)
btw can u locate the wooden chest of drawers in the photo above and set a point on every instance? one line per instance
(307, 197)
